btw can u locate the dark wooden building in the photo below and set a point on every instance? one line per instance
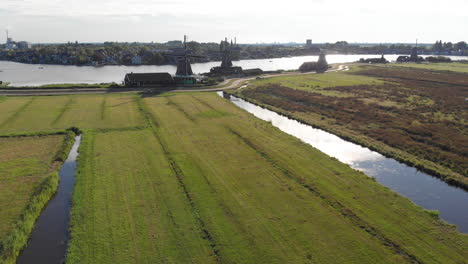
(148, 79)
(252, 72)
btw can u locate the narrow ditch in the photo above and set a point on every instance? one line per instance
(49, 239)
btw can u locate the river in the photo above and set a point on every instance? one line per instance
(421, 188)
(38, 74)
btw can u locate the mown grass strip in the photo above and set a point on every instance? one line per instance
(180, 177)
(203, 103)
(64, 109)
(103, 107)
(16, 240)
(178, 107)
(345, 212)
(107, 130)
(18, 112)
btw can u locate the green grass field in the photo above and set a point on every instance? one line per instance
(456, 67)
(24, 163)
(53, 113)
(317, 82)
(207, 182)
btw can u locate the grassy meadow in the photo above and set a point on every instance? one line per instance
(453, 66)
(28, 178)
(56, 113)
(319, 82)
(24, 163)
(206, 182)
(414, 115)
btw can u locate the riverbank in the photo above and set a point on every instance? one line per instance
(431, 193)
(35, 75)
(64, 89)
(327, 116)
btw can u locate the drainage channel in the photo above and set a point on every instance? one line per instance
(48, 241)
(421, 188)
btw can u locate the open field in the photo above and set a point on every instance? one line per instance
(24, 162)
(27, 180)
(455, 67)
(318, 82)
(207, 182)
(53, 113)
(131, 211)
(414, 115)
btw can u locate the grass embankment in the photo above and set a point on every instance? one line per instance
(453, 67)
(55, 113)
(208, 182)
(28, 178)
(415, 116)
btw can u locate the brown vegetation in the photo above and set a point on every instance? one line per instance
(422, 114)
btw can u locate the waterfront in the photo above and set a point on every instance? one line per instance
(421, 188)
(39, 74)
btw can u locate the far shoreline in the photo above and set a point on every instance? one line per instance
(251, 59)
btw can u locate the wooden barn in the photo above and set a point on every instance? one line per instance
(148, 79)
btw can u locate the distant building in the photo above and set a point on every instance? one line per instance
(320, 66)
(308, 43)
(252, 72)
(185, 79)
(148, 79)
(11, 45)
(23, 45)
(228, 51)
(136, 60)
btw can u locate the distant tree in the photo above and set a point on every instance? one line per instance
(437, 47)
(448, 46)
(158, 59)
(194, 47)
(143, 50)
(460, 45)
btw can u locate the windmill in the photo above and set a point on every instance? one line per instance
(227, 51)
(183, 60)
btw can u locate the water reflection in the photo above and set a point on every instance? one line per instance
(421, 188)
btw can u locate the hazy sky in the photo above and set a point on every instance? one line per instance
(250, 20)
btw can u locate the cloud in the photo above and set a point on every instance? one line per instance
(250, 21)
